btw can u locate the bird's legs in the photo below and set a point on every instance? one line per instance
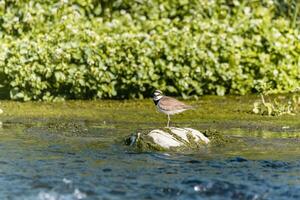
(168, 121)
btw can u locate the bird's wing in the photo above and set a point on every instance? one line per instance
(169, 103)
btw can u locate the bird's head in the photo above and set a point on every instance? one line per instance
(157, 95)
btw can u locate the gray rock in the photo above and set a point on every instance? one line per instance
(168, 138)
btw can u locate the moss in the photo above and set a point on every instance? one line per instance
(146, 143)
(142, 142)
(218, 112)
(67, 128)
(219, 139)
(224, 114)
(193, 144)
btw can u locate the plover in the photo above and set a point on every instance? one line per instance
(168, 105)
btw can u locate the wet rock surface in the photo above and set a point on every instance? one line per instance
(172, 138)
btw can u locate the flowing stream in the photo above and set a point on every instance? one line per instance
(80, 158)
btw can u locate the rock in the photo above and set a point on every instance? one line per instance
(164, 139)
(168, 138)
(1, 111)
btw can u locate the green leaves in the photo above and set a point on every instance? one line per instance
(52, 50)
(278, 106)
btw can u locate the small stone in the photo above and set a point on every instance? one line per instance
(1, 111)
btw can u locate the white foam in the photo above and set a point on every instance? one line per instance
(52, 195)
(79, 195)
(67, 181)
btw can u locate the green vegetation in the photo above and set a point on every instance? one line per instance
(141, 114)
(83, 49)
(277, 107)
(288, 104)
(117, 119)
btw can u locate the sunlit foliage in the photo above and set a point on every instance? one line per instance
(81, 49)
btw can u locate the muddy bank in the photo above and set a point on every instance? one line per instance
(221, 113)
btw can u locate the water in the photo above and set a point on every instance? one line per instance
(39, 164)
(80, 158)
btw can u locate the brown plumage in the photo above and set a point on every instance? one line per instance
(169, 105)
(172, 105)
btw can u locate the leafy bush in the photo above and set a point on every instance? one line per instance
(80, 49)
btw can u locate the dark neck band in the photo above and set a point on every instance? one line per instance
(155, 102)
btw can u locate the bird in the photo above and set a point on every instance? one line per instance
(169, 105)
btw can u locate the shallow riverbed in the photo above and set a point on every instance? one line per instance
(74, 150)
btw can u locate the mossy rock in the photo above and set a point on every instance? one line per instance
(167, 139)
